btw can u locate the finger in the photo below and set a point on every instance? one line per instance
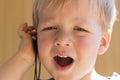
(32, 32)
(21, 29)
(30, 28)
(24, 29)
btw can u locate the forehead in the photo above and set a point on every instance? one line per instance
(65, 8)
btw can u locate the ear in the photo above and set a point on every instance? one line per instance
(105, 40)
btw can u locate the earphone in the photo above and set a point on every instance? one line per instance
(37, 69)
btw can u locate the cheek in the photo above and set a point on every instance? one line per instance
(43, 41)
(86, 52)
(87, 46)
(44, 44)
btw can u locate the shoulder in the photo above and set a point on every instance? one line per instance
(115, 76)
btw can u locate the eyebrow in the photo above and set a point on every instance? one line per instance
(46, 19)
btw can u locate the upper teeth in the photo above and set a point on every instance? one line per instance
(63, 56)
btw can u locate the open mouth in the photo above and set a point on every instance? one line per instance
(63, 61)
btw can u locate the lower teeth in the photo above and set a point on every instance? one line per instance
(63, 61)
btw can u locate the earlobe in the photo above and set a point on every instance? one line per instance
(105, 40)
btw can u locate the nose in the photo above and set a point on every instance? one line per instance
(63, 39)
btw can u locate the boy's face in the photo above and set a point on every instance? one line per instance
(69, 40)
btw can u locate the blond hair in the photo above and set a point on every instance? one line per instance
(107, 10)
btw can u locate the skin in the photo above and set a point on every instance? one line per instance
(65, 38)
(74, 32)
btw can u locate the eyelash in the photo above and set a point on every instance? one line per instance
(49, 28)
(54, 28)
(80, 29)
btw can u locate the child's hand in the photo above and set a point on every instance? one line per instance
(27, 33)
(24, 58)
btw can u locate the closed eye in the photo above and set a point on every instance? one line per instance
(80, 29)
(49, 28)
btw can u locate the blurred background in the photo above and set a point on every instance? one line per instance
(16, 12)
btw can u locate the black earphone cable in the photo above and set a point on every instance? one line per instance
(37, 70)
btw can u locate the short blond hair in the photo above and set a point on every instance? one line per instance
(107, 10)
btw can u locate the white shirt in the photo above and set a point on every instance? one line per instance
(114, 76)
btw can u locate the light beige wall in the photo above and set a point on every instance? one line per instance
(12, 14)
(110, 61)
(15, 12)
